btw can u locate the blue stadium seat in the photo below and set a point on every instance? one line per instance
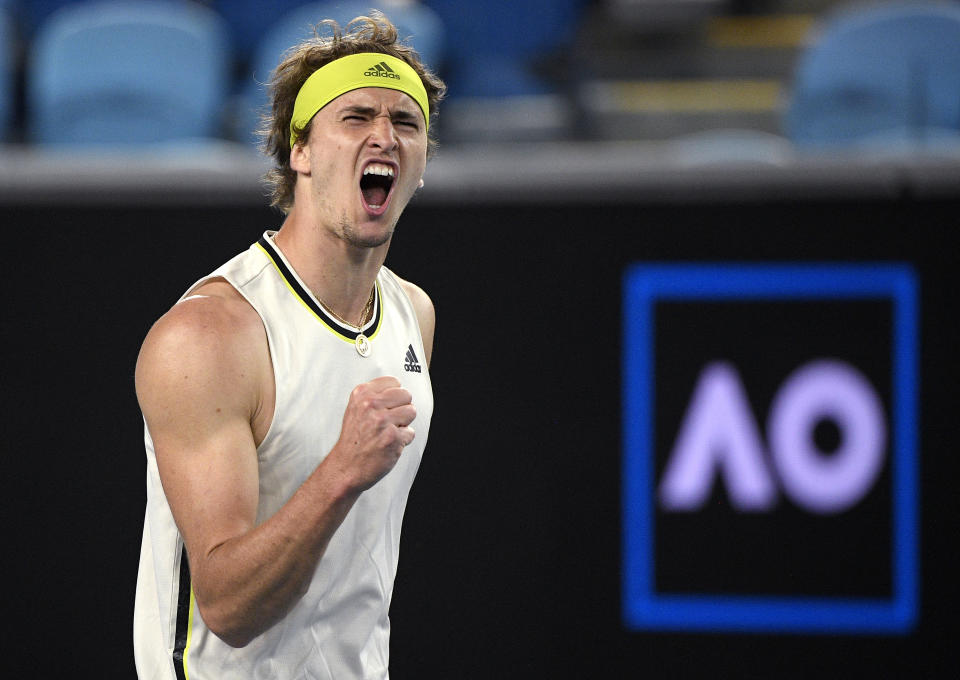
(416, 24)
(248, 20)
(888, 71)
(121, 73)
(498, 41)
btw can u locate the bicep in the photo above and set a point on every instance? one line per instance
(196, 405)
(210, 480)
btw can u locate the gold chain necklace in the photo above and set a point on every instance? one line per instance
(362, 342)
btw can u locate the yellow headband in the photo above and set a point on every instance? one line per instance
(367, 69)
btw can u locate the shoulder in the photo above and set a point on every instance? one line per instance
(213, 335)
(424, 309)
(214, 314)
(422, 303)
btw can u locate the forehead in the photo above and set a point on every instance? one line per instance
(377, 98)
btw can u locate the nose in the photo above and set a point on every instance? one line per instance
(382, 133)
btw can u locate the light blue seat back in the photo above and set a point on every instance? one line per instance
(417, 25)
(891, 69)
(136, 72)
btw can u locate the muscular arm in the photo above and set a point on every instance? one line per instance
(201, 379)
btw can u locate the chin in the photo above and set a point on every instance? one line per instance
(364, 238)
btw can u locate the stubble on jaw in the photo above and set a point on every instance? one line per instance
(348, 233)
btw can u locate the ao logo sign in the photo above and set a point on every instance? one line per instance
(719, 434)
(769, 448)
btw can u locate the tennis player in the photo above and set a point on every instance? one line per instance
(286, 396)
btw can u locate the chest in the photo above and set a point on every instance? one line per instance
(315, 369)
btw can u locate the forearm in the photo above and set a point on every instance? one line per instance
(247, 583)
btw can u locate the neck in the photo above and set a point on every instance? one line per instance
(339, 274)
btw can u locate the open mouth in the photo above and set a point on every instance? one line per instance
(375, 186)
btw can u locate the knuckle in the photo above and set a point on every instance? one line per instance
(396, 440)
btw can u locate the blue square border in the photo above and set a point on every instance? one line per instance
(645, 609)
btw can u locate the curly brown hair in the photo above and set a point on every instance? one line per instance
(374, 33)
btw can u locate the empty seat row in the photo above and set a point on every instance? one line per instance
(142, 71)
(149, 71)
(111, 71)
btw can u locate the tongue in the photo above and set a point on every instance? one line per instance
(374, 195)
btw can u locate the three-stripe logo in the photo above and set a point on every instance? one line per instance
(411, 364)
(381, 70)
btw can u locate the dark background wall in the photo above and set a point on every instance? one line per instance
(511, 557)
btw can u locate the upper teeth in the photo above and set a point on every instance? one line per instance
(378, 169)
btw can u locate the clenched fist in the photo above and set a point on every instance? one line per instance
(376, 428)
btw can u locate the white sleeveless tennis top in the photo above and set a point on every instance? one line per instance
(340, 629)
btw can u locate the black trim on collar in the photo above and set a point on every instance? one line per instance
(322, 314)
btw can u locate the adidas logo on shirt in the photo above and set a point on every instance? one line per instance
(411, 365)
(381, 70)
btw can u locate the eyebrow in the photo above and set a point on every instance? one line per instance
(356, 108)
(401, 114)
(405, 114)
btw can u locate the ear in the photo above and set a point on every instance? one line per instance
(300, 158)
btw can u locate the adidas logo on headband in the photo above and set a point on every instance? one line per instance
(381, 70)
